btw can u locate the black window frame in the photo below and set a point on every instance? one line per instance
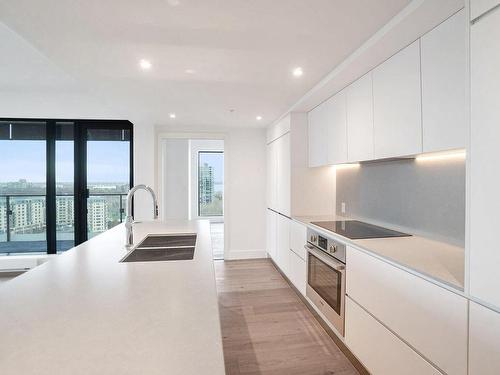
(80, 191)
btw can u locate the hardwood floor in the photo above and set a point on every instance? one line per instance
(267, 329)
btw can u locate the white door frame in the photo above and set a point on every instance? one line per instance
(159, 158)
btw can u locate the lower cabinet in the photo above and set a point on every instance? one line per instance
(431, 319)
(298, 272)
(271, 234)
(484, 341)
(283, 244)
(380, 351)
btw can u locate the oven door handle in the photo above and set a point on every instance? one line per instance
(337, 266)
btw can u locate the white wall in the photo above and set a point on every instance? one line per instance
(244, 189)
(175, 191)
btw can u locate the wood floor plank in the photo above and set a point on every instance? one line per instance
(266, 328)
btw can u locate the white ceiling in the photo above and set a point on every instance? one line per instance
(243, 52)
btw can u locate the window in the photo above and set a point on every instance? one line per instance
(46, 203)
(210, 183)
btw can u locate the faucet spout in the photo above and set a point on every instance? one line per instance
(129, 220)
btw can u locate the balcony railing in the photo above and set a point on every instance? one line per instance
(23, 221)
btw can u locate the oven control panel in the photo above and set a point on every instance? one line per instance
(327, 244)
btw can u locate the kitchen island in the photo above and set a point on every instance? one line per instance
(84, 312)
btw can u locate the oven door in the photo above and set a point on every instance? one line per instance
(326, 286)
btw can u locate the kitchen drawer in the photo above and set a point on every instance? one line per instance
(431, 319)
(380, 351)
(484, 341)
(298, 238)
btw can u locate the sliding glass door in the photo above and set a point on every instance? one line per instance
(61, 181)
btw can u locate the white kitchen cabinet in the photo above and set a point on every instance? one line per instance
(380, 351)
(485, 159)
(360, 119)
(271, 181)
(318, 136)
(484, 341)
(397, 105)
(271, 234)
(298, 239)
(283, 244)
(443, 85)
(431, 319)
(298, 272)
(336, 118)
(283, 174)
(479, 7)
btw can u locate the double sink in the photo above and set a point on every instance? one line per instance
(166, 247)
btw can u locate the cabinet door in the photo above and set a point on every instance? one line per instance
(478, 7)
(298, 272)
(431, 319)
(317, 136)
(380, 351)
(397, 105)
(298, 238)
(360, 119)
(336, 118)
(485, 159)
(271, 182)
(283, 174)
(443, 85)
(484, 341)
(271, 234)
(283, 251)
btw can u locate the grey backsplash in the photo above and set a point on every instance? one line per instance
(423, 197)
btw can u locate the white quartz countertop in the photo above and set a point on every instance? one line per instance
(85, 313)
(432, 259)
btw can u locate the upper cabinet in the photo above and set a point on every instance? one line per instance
(397, 105)
(443, 85)
(318, 141)
(328, 132)
(485, 159)
(360, 119)
(479, 7)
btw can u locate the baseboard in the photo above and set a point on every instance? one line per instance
(245, 254)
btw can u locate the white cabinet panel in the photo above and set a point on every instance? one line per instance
(380, 351)
(271, 234)
(318, 136)
(484, 341)
(272, 170)
(443, 85)
(283, 247)
(283, 174)
(360, 119)
(478, 7)
(485, 159)
(277, 130)
(397, 105)
(336, 118)
(431, 319)
(298, 238)
(298, 273)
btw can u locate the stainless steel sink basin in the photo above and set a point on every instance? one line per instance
(157, 247)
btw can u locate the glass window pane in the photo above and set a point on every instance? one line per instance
(23, 189)
(65, 205)
(210, 183)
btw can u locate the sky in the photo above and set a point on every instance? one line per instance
(107, 161)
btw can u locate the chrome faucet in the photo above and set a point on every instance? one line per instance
(129, 220)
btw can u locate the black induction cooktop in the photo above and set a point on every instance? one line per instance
(357, 230)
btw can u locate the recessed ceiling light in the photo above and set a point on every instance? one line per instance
(297, 72)
(172, 115)
(190, 71)
(258, 118)
(145, 64)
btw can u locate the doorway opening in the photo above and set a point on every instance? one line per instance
(192, 186)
